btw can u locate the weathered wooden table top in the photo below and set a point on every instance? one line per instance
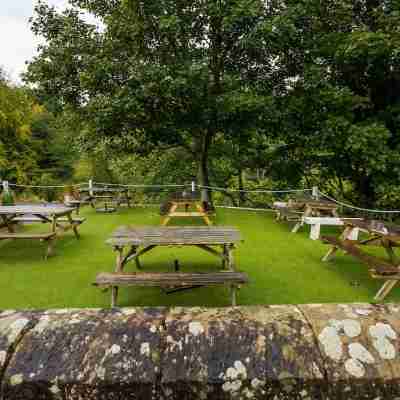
(389, 231)
(57, 210)
(313, 203)
(174, 235)
(104, 190)
(188, 197)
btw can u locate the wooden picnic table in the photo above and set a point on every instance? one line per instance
(184, 205)
(300, 209)
(107, 195)
(75, 203)
(59, 216)
(377, 234)
(141, 240)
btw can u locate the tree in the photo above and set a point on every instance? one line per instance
(340, 110)
(17, 111)
(161, 75)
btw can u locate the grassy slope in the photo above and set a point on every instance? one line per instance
(283, 267)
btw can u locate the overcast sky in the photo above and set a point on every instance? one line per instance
(17, 43)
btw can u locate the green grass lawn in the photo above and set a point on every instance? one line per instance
(282, 267)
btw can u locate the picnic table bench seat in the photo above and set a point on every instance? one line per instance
(378, 234)
(47, 237)
(286, 213)
(168, 280)
(33, 218)
(27, 235)
(57, 215)
(377, 264)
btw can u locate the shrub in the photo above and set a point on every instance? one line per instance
(7, 198)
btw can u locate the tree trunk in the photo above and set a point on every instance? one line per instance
(242, 196)
(365, 191)
(202, 147)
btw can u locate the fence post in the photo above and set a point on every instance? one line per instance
(315, 192)
(6, 188)
(193, 186)
(91, 187)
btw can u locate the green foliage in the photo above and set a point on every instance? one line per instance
(51, 193)
(340, 114)
(307, 91)
(17, 112)
(83, 170)
(7, 198)
(163, 74)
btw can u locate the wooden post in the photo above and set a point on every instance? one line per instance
(315, 192)
(90, 187)
(6, 187)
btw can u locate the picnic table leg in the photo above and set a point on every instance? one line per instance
(353, 235)
(120, 257)
(298, 226)
(7, 222)
(385, 290)
(166, 219)
(205, 216)
(335, 213)
(225, 255)
(50, 248)
(332, 251)
(53, 223)
(118, 268)
(114, 296)
(315, 231)
(307, 213)
(137, 262)
(73, 225)
(231, 260)
(233, 295)
(389, 251)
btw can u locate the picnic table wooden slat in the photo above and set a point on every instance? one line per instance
(140, 240)
(379, 235)
(167, 279)
(57, 210)
(389, 231)
(170, 280)
(59, 216)
(174, 235)
(380, 265)
(27, 235)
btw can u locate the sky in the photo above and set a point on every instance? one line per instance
(17, 42)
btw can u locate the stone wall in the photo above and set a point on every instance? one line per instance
(278, 352)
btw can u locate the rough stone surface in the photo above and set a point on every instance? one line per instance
(302, 352)
(88, 354)
(359, 345)
(243, 352)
